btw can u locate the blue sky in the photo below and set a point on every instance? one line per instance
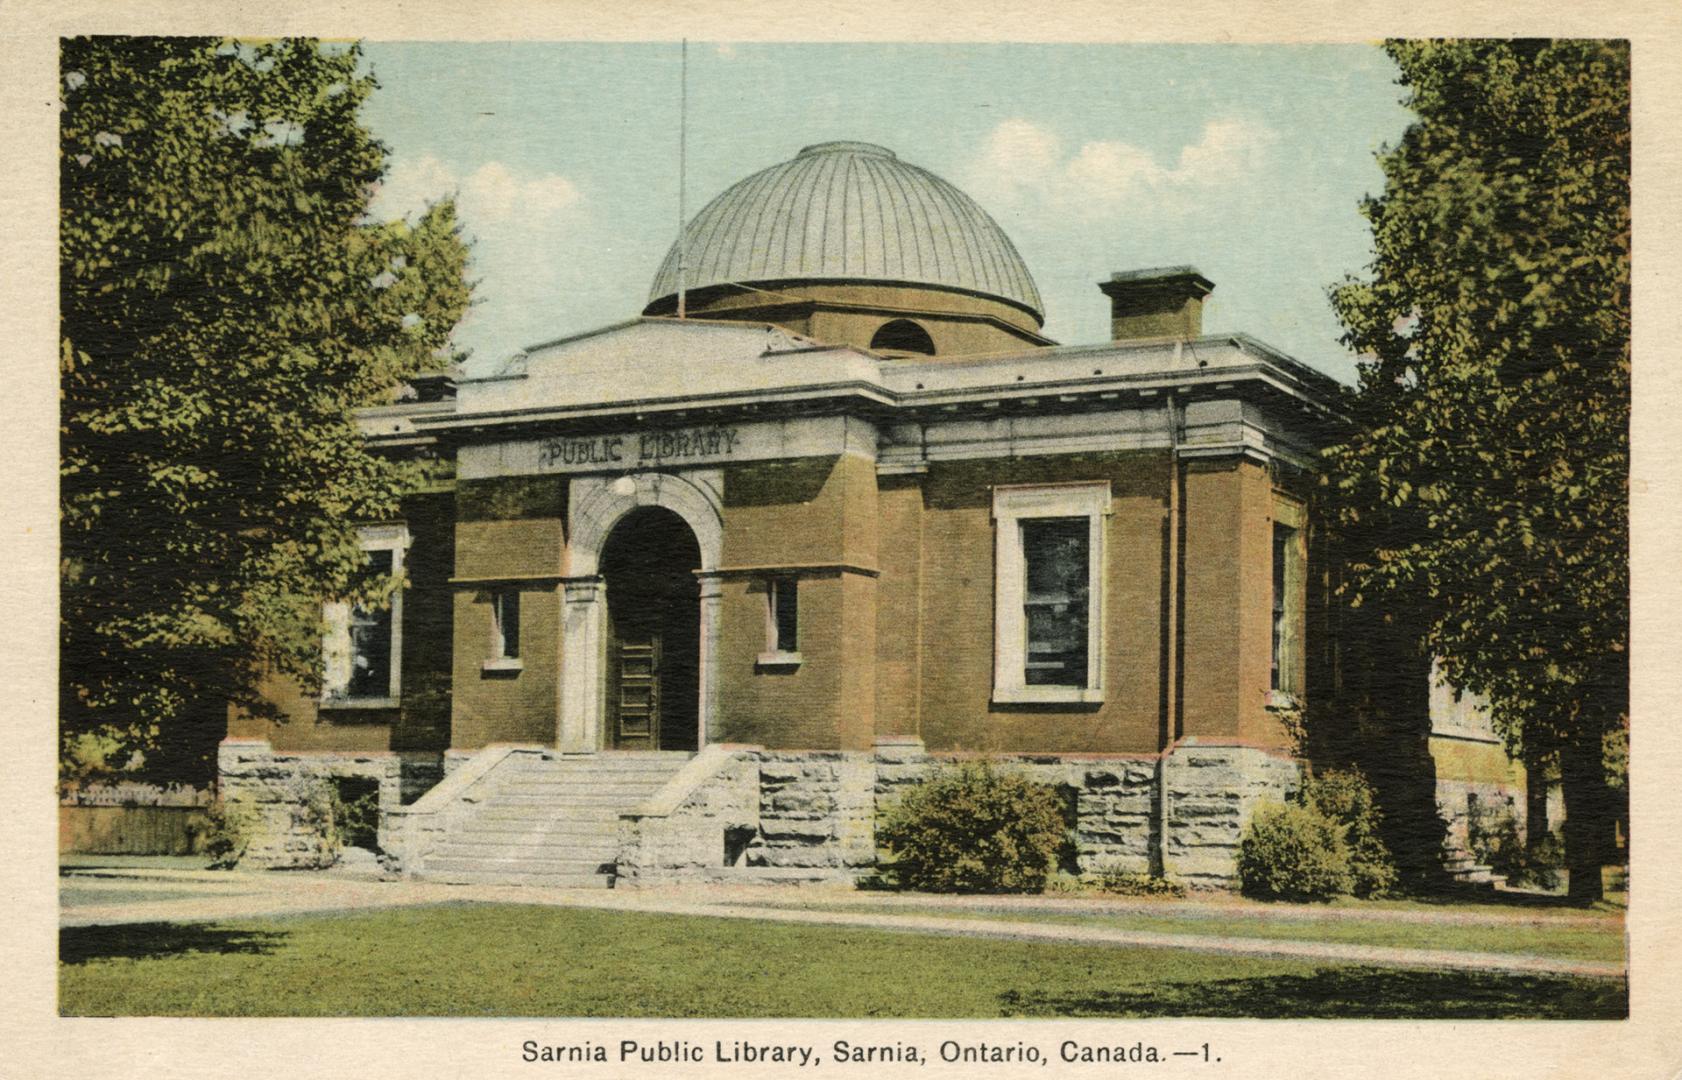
(1248, 162)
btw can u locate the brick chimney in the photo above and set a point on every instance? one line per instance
(1165, 302)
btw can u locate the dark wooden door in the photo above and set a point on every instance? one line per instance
(635, 682)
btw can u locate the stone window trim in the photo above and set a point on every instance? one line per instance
(782, 623)
(1012, 505)
(336, 641)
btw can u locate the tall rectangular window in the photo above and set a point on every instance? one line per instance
(1049, 570)
(1056, 613)
(1287, 608)
(362, 649)
(370, 639)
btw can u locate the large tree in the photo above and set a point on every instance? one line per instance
(1484, 489)
(226, 305)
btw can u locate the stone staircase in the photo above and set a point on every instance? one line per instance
(1464, 868)
(549, 820)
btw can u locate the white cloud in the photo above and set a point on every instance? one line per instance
(1021, 161)
(490, 194)
(521, 226)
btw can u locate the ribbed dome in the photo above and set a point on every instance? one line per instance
(849, 211)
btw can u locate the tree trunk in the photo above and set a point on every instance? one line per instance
(1588, 814)
(1536, 823)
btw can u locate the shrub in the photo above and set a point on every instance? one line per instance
(226, 833)
(1345, 797)
(356, 812)
(1123, 883)
(972, 829)
(1293, 852)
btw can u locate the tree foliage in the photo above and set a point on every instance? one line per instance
(1485, 486)
(225, 305)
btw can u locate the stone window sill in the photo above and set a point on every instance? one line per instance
(351, 704)
(1282, 699)
(779, 661)
(1047, 695)
(507, 665)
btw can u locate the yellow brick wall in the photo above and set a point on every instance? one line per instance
(1475, 762)
(956, 706)
(1228, 585)
(815, 518)
(509, 527)
(899, 605)
(517, 706)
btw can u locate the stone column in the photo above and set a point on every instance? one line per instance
(579, 728)
(712, 596)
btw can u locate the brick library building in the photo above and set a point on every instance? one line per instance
(692, 593)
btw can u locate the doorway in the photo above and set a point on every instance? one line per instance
(653, 641)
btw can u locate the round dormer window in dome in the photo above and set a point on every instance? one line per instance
(902, 335)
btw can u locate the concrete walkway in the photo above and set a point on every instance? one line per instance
(127, 895)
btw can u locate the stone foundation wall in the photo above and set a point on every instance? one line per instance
(816, 811)
(1119, 803)
(693, 839)
(1211, 791)
(286, 796)
(743, 813)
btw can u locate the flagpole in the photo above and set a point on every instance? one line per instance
(682, 166)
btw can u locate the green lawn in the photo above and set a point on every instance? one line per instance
(1602, 940)
(516, 960)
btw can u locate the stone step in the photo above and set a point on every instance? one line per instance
(586, 774)
(600, 849)
(550, 881)
(1478, 874)
(579, 799)
(635, 789)
(547, 831)
(630, 762)
(478, 865)
(533, 816)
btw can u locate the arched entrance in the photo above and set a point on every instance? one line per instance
(651, 671)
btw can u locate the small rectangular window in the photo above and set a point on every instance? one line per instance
(782, 623)
(785, 615)
(505, 632)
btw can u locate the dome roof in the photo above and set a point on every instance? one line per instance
(850, 211)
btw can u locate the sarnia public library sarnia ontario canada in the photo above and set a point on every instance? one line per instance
(693, 596)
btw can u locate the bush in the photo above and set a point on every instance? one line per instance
(1293, 852)
(226, 833)
(1345, 797)
(1122, 883)
(356, 812)
(972, 829)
